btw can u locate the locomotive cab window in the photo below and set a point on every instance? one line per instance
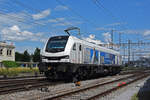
(74, 47)
(57, 44)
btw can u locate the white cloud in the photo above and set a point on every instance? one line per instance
(60, 22)
(56, 20)
(10, 19)
(114, 24)
(60, 7)
(103, 29)
(63, 24)
(15, 28)
(106, 27)
(14, 33)
(107, 37)
(132, 31)
(43, 40)
(50, 21)
(147, 32)
(41, 15)
(21, 49)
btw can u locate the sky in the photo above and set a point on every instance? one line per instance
(29, 23)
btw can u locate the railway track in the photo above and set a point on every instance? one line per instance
(91, 91)
(115, 88)
(17, 85)
(131, 72)
(11, 81)
(22, 84)
(21, 77)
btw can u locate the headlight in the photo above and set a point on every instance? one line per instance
(66, 57)
(43, 57)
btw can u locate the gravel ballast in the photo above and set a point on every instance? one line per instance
(27, 95)
(126, 93)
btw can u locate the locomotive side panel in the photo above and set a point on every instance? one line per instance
(86, 55)
(73, 54)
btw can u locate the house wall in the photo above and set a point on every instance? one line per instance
(7, 52)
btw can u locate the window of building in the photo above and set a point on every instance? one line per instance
(9, 52)
(74, 47)
(1, 51)
(80, 48)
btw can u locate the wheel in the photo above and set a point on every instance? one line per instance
(85, 74)
(50, 75)
(75, 79)
(79, 74)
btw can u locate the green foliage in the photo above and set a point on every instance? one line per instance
(133, 68)
(9, 64)
(18, 56)
(134, 97)
(36, 55)
(26, 56)
(18, 70)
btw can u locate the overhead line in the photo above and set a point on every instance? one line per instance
(99, 5)
(38, 11)
(73, 11)
(17, 18)
(14, 16)
(35, 10)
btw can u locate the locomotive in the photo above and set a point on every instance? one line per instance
(69, 57)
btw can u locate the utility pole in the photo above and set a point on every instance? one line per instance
(112, 37)
(0, 38)
(129, 44)
(120, 38)
(124, 53)
(133, 56)
(129, 53)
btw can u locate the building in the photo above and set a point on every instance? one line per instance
(7, 52)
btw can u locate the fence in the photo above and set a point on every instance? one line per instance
(28, 64)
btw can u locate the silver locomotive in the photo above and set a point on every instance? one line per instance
(69, 57)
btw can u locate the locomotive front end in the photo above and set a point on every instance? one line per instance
(55, 51)
(55, 55)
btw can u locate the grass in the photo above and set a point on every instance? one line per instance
(17, 70)
(133, 68)
(134, 97)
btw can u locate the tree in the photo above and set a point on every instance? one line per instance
(18, 56)
(26, 56)
(36, 55)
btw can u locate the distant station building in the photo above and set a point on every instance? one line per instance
(7, 52)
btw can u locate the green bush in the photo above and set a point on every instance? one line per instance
(134, 97)
(18, 70)
(10, 64)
